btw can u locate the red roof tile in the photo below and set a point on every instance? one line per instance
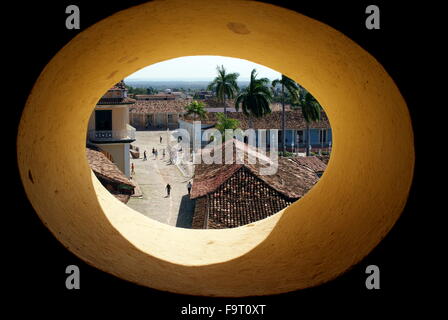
(292, 178)
(105, 168)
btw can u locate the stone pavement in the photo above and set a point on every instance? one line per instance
(152, 176)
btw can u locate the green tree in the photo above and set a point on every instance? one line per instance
(224, 123)
(197, 109)
(255, 99)
(151, 90)
(224, 85)
(293, 89)
(311, 110)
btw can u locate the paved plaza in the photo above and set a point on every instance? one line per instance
(153, 175)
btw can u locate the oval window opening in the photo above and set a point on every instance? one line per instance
(208, 142)
(311, 242)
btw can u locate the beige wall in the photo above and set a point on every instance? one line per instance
(120, 117)
(119, 155)
(139, 120)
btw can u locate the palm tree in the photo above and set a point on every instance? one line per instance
(224, 123)
(311, 111)
(255, 99)
(224, 85)
(197, 109)
(293, 89)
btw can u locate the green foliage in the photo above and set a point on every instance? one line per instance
(225, 122)
(197, 109)
(149, 90)
(289, 87)
(286, 154)
(286, 98)
(224, 85)
(311, 109)
(255, 99)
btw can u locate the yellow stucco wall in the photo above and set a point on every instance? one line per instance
(354, 205)
(120, 117)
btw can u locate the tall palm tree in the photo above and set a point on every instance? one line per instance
(293, 89)
(311, 111)
(255, 99)
(197, 109)
(224, 85)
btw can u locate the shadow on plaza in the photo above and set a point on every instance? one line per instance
(186, 209)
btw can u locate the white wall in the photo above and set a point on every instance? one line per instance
(120, 155)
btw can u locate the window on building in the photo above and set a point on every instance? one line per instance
(300, 136)
(103, 120)
(280, 136)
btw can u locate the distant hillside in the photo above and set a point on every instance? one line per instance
(169, 84)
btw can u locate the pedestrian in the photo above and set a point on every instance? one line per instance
(168, 190)
(163, 153)
(189, 187)
(144, 156)
(160, 139)
(132, 168)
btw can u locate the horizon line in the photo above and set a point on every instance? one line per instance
(179, 79)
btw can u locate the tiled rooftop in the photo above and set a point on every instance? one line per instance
(293, 178)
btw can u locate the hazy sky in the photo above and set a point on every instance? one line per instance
(200, 68)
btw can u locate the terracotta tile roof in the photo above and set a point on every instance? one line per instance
(324, 158)
(157, 106)
(292, 179)
(156, 96)
(230, 103)
(312, 162)
(294, 120)
(120, 85)
(208, 177)
(214, 103)
(105, 168)
(107, 101)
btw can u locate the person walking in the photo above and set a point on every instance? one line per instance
(168, 190)
(144, 156)
(132, 168)
(163, 153)
(189, 187)
(160, 139)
